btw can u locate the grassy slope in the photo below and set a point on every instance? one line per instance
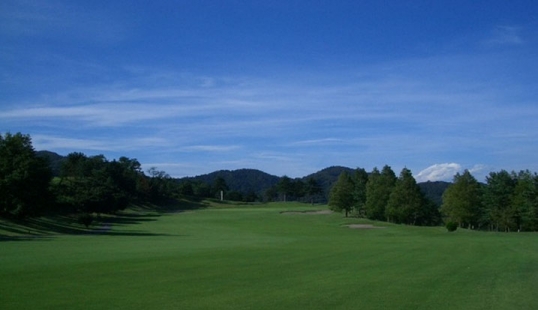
(255, 257)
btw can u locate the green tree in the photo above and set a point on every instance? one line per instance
(202, 189)
(406, 202)
(219, 185)
(186, 188)
(24, 177)
(298, 188)
(341, 196)
(162, 186)
(313, 189)
(525, 201)
(498, 195)
(271, 194)
(128, 172)
(250, 196)
(462, 201)
(93, 184)
(378, 189)
(360, 179)
(285, 187)
(234, 196)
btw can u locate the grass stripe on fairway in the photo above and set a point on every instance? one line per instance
(254, 257)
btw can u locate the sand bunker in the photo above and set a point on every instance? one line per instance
(308, 212)
(363, 226)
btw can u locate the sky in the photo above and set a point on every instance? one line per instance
(286, 87)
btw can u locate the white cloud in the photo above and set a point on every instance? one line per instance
(439, 172)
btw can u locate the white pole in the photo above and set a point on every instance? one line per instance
(221, 195)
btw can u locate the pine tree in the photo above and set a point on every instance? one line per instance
(341, 196)
(525, 201)
(378, 191)
(360, 179)
(406, 202)
(462, 200)
(498, 196)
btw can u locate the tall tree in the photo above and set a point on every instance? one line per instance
(161, 185)
(498, 196)
(341, 196)
(360, 179)
(313, 189)
(525, 201)
(298, 188)
(462, 201)
(24, 177)
(285, 187)
(378, 189)
(406, 201)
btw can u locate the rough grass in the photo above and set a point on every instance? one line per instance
(219, 256)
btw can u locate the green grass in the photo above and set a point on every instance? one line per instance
(253, 257)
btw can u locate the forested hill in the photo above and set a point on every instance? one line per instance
(241, 180)
(327, 177)
(434, 190)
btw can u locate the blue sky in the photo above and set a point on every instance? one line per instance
(287, 87)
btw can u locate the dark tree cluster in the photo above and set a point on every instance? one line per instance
(243, 181)
(191, 187)
(85, 184)
(507, 202)
(382, 196)
(288, 189)
(24, 177)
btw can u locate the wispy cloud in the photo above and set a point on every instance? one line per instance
(505, 35)
(402, 115)
(210, 148)
(59, 143)
(317, 142)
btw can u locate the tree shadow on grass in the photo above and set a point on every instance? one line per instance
(174, 205)
(45, 228)
(24, 238)
(125, 219)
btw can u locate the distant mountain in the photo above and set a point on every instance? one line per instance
(241, 180)
(55, 161)
(434, 190)
(327, 177)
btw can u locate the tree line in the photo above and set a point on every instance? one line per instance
(508, 201)
(85, 185)
(88, 184)
(382, 196)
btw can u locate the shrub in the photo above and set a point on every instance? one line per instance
(451, 226)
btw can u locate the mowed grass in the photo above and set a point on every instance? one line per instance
(254, 257)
